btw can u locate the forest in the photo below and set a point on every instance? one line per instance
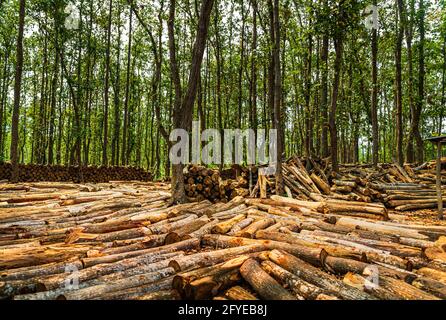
(99, 83)
(94, 96)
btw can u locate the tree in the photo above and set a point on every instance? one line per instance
(107, 85)
(182, 114)
(374, 109)
(399, 89)
(17, 93)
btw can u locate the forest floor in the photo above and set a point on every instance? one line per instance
(122, 240)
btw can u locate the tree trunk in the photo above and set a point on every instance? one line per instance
(17, 92)
(106, 86)
(421, 80)
(278, 98)
(183, 107)
(334, 103)
(374, 111)
(125, 132)
(399, 94)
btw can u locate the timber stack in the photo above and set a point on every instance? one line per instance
(124, 241)
(59, 173)
(390, 185)
(202, 183)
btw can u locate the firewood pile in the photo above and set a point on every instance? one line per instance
(206, 184)
(123, 241)
(57, 173)
(400, 188)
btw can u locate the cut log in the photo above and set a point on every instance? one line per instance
(262, 283)
(316, 277)
(240, 294)
(299, 287)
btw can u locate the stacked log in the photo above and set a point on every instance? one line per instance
(124, 241)
(59, 173)
(401, 188)
(206, 184)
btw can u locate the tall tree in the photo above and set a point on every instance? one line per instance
(374, 109)
(17, 93)
(399, 89)
(421, 80)
(107, 85)
(278, 97)
(125, 132)
(182, 113)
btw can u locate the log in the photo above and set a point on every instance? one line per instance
(316, 277)
(403, 290)
(160, 295)
(250, 231)
(208, 287)
(433, 274)
(225, 226)
(240, 294)
(361, 283)
(122, 284)
(179, 246)
(262, 283)
(312, 255)
(433, 287)
(299, 287)
(179, 234)
(205, 259)
(390, 230)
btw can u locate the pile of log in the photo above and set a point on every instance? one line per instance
(206, 184)
(58, 173)
(390, 185)
(123, 241)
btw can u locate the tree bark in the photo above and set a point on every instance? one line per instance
(17, 93)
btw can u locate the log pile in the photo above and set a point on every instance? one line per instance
(206, 184)
(57, 173)
(124, 241)
(400, 188)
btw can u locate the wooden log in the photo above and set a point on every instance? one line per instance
(206, 229)
(431, 286)
(125, 283)
(148, 263)
(225, 226)
(135, 292)
(205, 259)
(160, 295)
(39, 271)
(297, 204)
(433, 274)
(296, 240)
(167, 227)
(316, 277)
(390, 230)
(240, 226)
(312, 255)
(262, 283)
(321, 184)
(240, 294)
(404, 290)
(250, 231)
(179, 246)
(363, 284)
(208, 287)
(179, 234)
(342, 266)
(298, 286)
